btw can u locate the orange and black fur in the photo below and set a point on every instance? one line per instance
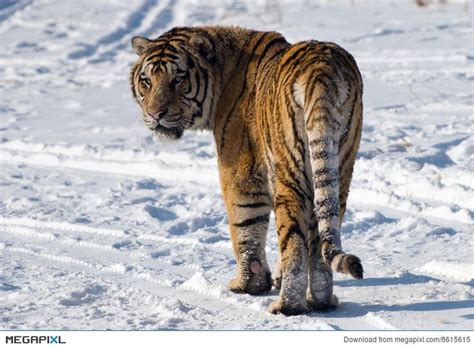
(287, 122)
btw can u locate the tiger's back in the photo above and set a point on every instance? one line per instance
(287, 121)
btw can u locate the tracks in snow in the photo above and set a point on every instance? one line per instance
(114, 163)
(150, 17)
(58, 242)
(46, 240)
(125, 163)
(76, 236)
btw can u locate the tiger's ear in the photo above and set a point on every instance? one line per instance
(140, 44)
(203, 45)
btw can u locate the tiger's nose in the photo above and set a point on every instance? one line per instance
(156, 115)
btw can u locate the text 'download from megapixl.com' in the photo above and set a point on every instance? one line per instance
(409, 339)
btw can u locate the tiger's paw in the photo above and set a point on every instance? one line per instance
(325, 306)
(287, 308)
(256, 281)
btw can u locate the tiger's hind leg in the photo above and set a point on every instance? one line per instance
(291, 229)
(320, 289)
(320, 279)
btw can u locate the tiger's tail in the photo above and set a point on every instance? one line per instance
(325, 124)
(323, 148)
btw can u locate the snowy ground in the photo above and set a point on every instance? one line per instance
(101, 228)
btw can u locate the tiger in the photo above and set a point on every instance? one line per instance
(287, 122)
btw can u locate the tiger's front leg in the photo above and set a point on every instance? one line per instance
(248, 240)
(248, 205)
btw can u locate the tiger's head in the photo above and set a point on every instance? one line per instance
(172, 81)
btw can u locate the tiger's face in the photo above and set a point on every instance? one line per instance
(170, 82)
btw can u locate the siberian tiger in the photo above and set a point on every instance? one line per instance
(287, 121)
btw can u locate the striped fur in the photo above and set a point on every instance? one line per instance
(287, 122)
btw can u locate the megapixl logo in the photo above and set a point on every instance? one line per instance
(34, 340)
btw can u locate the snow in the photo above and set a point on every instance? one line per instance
(102, 228)
(455, 270)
